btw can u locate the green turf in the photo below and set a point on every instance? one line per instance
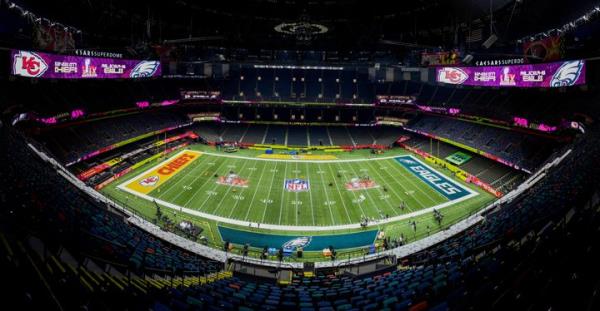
(265, 200)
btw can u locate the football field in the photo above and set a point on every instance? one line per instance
(297, 192)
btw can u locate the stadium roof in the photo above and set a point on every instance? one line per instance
(340, 25)
(350, 24)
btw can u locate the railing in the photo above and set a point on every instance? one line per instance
(255, 253)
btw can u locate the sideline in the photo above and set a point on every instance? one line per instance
(300, 161)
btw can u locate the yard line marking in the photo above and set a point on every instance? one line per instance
(353, 192)
(283, 191)
(296, 171)
(312, 209)
(401, 168)
(226, 192)
(183, 177)
(201, 188)
(375, 205)
(262, 220)
(327, 197)
(244, 189)
(255, 191)
(405, 176)
(416, 198)
(339, 192)
(393, 190)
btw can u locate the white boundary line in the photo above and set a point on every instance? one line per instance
(301, 161)
(289, 227)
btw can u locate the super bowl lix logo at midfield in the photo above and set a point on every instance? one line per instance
(232, 179)
(296, 185)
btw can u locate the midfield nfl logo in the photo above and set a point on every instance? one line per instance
(296, 185)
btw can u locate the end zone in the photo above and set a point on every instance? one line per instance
(159, 174)
(318, 157)
(450, 189)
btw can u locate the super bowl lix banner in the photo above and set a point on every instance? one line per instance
(559, 74)
(52, 66)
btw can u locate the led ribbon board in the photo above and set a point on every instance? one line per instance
(53, 66)
(559, 74)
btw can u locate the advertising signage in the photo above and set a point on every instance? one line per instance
(52, 66)
(559, 74)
